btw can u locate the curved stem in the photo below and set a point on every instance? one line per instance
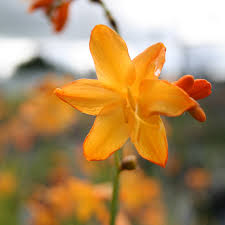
(108, 14)
(115, 196)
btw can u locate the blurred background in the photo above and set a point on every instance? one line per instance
(44, 177)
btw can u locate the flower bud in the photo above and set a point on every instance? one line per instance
(129, 163)
(198, 113)
(186, 82)
(201, 89)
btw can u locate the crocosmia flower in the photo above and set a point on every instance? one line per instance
(197, 89)
(56, 11)
(127, 99)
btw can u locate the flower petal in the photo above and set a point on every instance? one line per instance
(149, 63)
(110, 54)
(107, 135)
(162, 97)
(186, 82)
(88, 96)
(201, 89)
(149, 138)
(60, 15)
(40, 4)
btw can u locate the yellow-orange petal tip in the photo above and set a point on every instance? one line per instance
(163, 165)
(58, 91)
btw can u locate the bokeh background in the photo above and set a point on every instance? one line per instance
(44, 177)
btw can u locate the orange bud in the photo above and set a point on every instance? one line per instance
(40, 4)
(201, 89)
(198, 113)
(186, 82)
(60, 15)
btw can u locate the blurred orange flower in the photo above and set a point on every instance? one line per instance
(154, 215)
(138, 190)
(127, 99)
(21, 135)
(41, 214)
(57, 11)
(198, 179)
(197, 89)
(83, 200)
(8, 183)
(44, 112)
(122, 219)
(73, 197)
(62, 171)
(88, 202)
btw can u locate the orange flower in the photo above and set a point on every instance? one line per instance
(154, 215)
(55, 117)
(138, 190)
(20, 134)
(8, 183)
(71, 198)
(198, 179)
(122, 219)
(197, 89)
(57, 11)
(88, 202)
(128, 99)
(77, 197)
(41, 214)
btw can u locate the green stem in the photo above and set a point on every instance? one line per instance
(115, 199)
(108, 15)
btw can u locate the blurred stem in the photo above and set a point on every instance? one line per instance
(115, 196)
(108, 14)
